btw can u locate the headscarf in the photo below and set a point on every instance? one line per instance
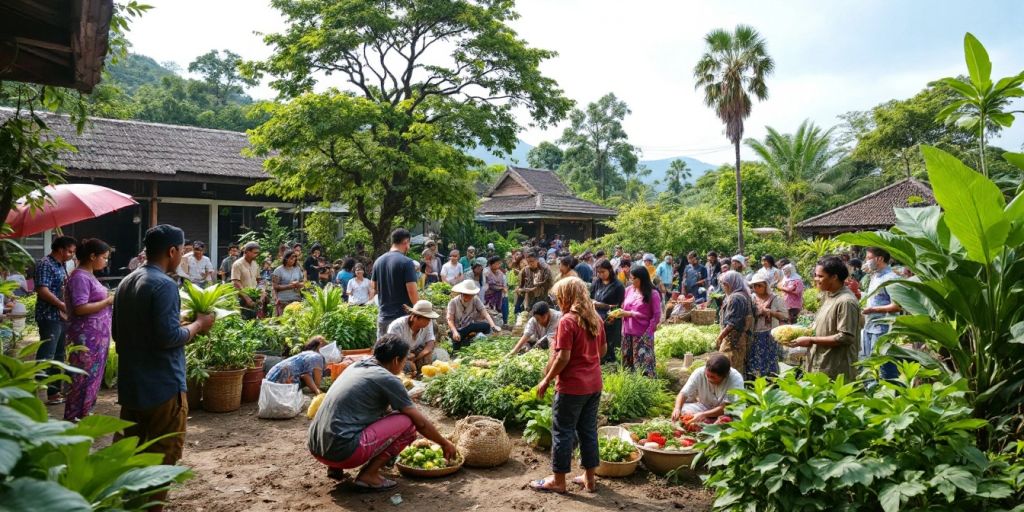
(735, 281)
(789, 270)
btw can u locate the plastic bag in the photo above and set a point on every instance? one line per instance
(279, 401)
(331, 353)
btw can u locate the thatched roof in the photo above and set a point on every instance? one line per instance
(117, 149)
(522, 192)
(54, 42)
(871, 212)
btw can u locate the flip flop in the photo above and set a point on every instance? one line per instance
(538, 485)
(385, 485)
(582, 482)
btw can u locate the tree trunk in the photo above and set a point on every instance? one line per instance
(739, 200)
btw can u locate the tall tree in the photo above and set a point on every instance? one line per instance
(676, 176)
(221, 73)
(545, 156)
(798, 165)
(425, 80)
(733, 68)
(598, 154)
(763, 203)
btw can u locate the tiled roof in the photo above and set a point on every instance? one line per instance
(116, 146)
(873, 211)
(547, 195)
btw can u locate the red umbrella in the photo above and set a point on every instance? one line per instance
(67, 204)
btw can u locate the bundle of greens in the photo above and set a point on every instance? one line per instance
(615, 450)
(675, 340)
(218, 299)
(629, 395)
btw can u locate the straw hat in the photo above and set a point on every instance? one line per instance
(467, 286)
(422, 308)
(758, 278)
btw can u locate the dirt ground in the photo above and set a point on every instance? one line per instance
(242, 462)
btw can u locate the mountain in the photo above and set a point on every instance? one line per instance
(136, 70)
(657, 167)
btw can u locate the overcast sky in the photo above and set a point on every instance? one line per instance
(831, 56)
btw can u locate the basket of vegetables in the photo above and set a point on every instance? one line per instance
(619, 457)
(666, 446)
(425, 459)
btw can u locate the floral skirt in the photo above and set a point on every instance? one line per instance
(763, 357)
(638, 353)
(735, 347)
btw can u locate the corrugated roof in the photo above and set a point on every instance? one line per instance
(116, 146)
(873, 211)
(547, 195)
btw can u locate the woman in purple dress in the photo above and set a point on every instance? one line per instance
(89, 314)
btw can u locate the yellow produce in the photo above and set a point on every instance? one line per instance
(430, 370)
(442, 366)
(315, 405)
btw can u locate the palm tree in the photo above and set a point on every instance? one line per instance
(732, 69)
(798, 164)
(676, 176)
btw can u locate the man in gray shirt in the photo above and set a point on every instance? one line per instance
(368, 418)
(540, 330)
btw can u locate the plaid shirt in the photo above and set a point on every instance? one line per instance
(51, 274)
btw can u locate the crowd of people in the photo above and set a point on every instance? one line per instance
(585, 309)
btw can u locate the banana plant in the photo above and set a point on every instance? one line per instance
(218, 299)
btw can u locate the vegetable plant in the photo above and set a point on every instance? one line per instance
(675, 340)
(423, 454)
(217, 299)
(615, 450)
(352, 327)
(817, 444)
(439, 294)
(629, 395)
(538, 427)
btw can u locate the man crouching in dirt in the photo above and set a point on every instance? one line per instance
(368, 418)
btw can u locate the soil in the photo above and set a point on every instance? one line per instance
(242, 462)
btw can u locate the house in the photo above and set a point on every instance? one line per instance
(60, 43)
(872, 212)
(536, 201)
(193, 178)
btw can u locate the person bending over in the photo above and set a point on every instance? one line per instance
(306, 367)
(540, 330)
(706, 393)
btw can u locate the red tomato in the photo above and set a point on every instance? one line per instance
(677, 433)
(724, 419)
(687, 442)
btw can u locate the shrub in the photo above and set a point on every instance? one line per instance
(812, 299)
(628, 396)
(815, 444)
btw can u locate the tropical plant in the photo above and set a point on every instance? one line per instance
(47, 464)
(538, 427)
(983, 104)
(218, 299)
(628, 396)
(598, 155)
(810, 250)
(967, 257)
(271, 236)
(351, 327)
(676, 176)
(732, 69)
(320, 301)
(798, 165)
(218, 350)
(818, 444)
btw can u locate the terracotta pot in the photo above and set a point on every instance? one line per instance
(222, 392)
(251, 382)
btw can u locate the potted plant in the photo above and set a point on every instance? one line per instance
(224, 357)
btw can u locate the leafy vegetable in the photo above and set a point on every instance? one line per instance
(629, 395)
(675, 340)
(218, 299)
(812, 299)
(424, 455)
(615, 450)
(352, 327)
(439, 294)
(538, 427)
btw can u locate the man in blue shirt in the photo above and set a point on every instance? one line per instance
(151, 346)
(394, 279)
(880, 308)
(695, 277)
(51, 274)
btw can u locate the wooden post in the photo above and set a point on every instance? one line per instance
(153, 194)
(213, 225)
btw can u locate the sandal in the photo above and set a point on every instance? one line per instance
(582, 482)
(541, 486)
(54, 399)
(385, 485)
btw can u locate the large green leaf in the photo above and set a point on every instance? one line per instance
(10, 452)
(973, 204)
(98, 425)
(927, 328)
(1015, 214)
(31, 495)
(978, 63)
(141, 479)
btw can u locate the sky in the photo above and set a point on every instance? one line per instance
(831, 56)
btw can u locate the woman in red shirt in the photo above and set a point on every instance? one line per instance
(576, 364)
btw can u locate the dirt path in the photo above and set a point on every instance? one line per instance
(245, 463)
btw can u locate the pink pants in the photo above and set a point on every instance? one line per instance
(389, 435)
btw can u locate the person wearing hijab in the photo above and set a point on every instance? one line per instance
(736, 319)
(769, 312)
(792, 288)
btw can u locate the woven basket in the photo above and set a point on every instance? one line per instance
(482, 441)
(222, 392)
(703, 316)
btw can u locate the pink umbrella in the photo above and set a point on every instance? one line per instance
(67, 204)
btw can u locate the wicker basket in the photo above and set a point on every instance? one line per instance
(482, 441)
(222, 392)
(617, 469)
(430, 473)
(703, 316)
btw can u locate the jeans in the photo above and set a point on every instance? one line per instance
(472, 329)
(574, 421)
(888, 371)
(504, 309)
(51, 332)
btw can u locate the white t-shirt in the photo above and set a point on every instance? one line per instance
(198, 271)
(535, 331)
(358, 293)
(401, 328)
(451, 273)
(709, 395)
